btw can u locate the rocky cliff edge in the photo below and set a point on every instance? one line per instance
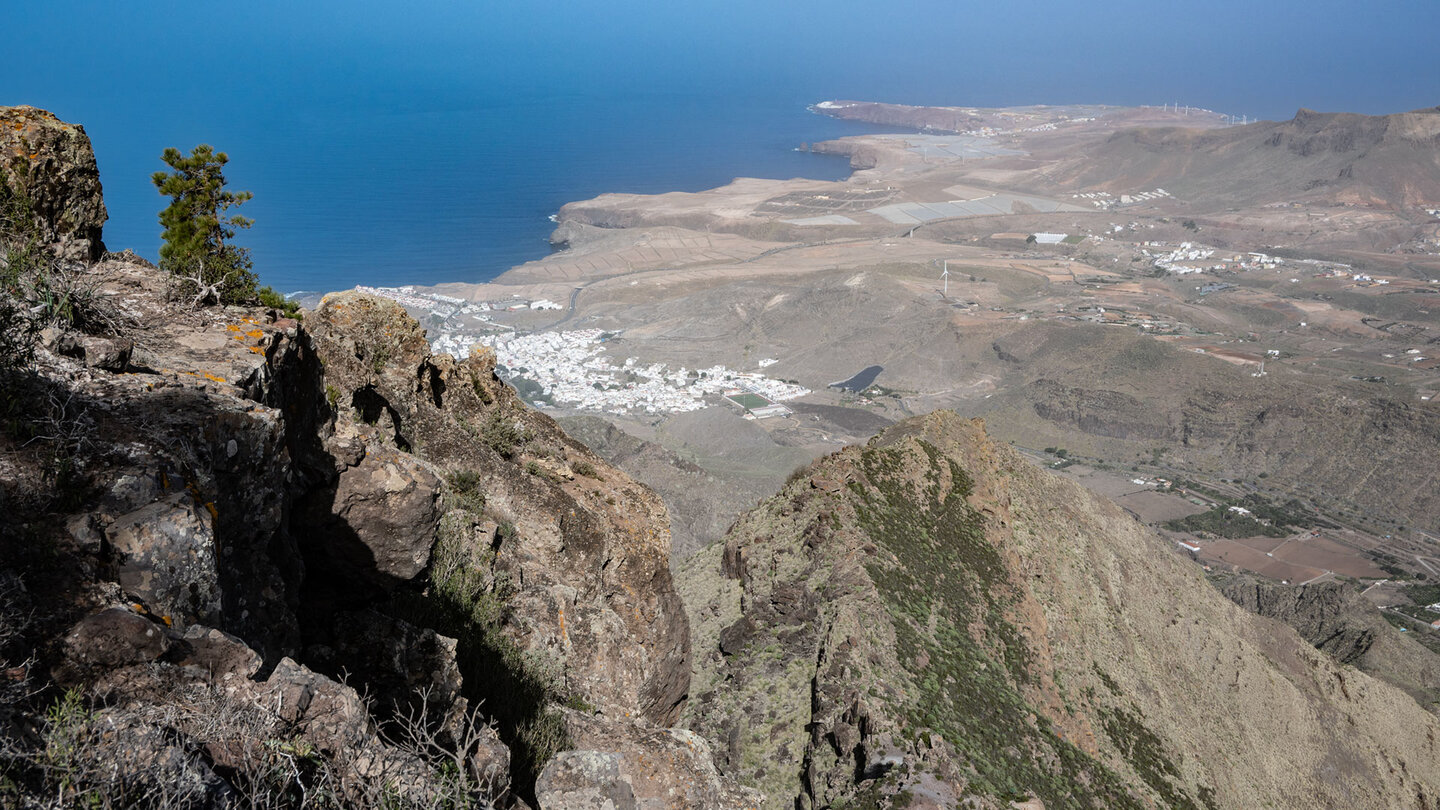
(248, 541)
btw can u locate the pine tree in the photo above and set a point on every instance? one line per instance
(196, 251)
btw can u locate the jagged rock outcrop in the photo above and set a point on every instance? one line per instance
(586, 563)
(52, 165)
(1339, 622)
(185, 721)
(256, 507)
(951, 624)
(1326, 614)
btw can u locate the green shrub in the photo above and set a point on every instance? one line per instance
(465, 491)
(504, 434)
(274, 299)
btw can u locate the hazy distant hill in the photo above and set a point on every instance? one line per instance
(1388, 160)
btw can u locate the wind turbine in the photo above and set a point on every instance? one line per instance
(945, 277)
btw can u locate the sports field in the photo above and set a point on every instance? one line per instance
(748, 401)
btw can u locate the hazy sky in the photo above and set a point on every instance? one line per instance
(1247, 56)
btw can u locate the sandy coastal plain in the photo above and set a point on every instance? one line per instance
(1112, 288)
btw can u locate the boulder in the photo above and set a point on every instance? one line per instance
(633, 765)
(164, 554)
(332, 715)
(584, 780)
(219, 653)
(389, 502)
(114, 637)
(52, 164)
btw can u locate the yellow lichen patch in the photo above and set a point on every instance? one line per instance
(210, 376)
(256, 350)
(255, 333)
(233, 327)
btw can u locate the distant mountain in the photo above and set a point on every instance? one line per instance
(930, 620)
(1384, 160)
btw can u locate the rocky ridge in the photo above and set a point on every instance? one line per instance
(1386, 161)
(254, 512)
(929, 619)
(251, 560)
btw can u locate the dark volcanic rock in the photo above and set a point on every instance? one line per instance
(389, 502)
(219, 653)
(1327, 614)
(52, 164)
(115, 637)
(164, 554)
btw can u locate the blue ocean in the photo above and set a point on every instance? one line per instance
(347, 196)
(426, 141)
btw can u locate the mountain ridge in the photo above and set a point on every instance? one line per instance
(1088, 616)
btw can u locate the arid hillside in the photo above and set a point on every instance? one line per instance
(1383, 160)
(928, 620)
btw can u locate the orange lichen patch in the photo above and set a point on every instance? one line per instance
(233, 327)
(255, 333)
(257, 350)
(210, 376)
(562, 623)
(166, 620)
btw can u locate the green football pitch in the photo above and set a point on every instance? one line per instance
(748, 401)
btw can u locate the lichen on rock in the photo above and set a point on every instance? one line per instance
(51, 165)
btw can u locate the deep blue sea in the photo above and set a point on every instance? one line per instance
(347, 196)
(427, 140)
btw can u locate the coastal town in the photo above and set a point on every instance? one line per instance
(575, 369)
